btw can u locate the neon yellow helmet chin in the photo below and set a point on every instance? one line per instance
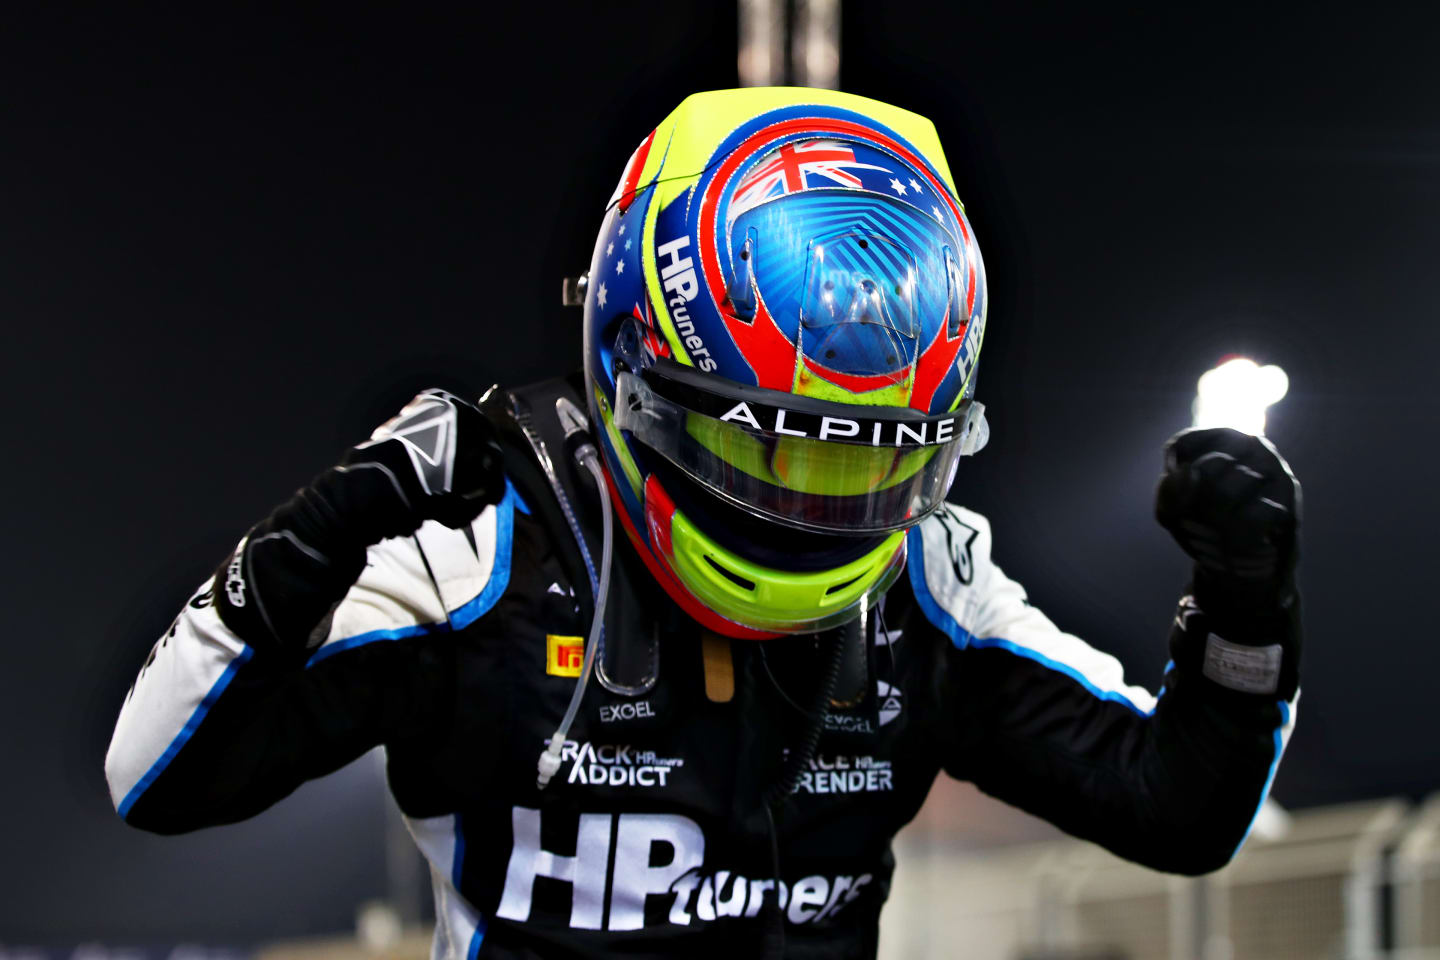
(782, 320)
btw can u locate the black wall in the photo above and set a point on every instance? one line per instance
(230, 245)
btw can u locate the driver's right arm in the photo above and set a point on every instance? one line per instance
(273, 673)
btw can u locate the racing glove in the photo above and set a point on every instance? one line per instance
(1233, 504)
(438, 459)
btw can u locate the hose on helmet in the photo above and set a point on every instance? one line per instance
(549, 762)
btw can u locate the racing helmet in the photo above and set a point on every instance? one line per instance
(783, 315)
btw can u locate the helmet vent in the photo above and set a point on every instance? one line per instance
(730, 575)
(836, 588)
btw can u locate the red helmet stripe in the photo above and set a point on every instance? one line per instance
(632, 172)
(757, 341)
(765, 347)
(969, 273)
(935, 362)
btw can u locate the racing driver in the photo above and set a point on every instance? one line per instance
(663, 653)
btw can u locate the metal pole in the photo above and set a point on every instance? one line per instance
(789, 42)
(815, 45)
(762, 43)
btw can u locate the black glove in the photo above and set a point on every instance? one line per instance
(438, 459)
(451, 467)
(1232, 503)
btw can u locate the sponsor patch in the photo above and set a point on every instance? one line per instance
(235, 577)
(846, 774)
(848, 723)
(677, 276)
(616, 765)
(639, 710)
(563, 655)
(639, 858)
(1247, 669)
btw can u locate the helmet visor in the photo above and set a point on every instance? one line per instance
(827, 467)
(857, 277)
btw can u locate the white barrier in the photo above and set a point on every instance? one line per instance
(1416, 873)
(1313, 892)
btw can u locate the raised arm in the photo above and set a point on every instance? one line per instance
(247, 695)
(1044, 721)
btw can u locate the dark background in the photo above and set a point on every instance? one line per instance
(230, 245)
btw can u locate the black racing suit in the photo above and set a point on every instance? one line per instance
(450, 651)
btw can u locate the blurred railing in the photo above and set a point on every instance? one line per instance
(1350, 882)
(1416, 875)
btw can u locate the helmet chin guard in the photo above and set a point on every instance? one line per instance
(755, 596)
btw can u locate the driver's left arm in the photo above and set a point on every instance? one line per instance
(1041, 720)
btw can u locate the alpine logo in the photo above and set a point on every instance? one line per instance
(889, 701)
(875, 433)
(661, 855)
(616, 766)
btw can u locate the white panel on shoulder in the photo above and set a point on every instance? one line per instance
(393, 591)
(462, 571)
(963, 592)
(433, 580)
(187, 670)
(395, 596)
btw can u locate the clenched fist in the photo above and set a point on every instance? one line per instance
(438, 459)
(1233, 504)
(451, 466)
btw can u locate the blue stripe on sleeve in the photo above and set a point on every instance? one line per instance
(186, 732)
(998, 643)
(1164, 678)
(963, 638)
(933, 612)
(1279, 739)
(360, 639)
(462, 616)
(457, 863)
(499, 581)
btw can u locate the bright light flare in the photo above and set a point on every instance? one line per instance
(1236, 394)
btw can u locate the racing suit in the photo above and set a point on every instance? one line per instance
(452, 651)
